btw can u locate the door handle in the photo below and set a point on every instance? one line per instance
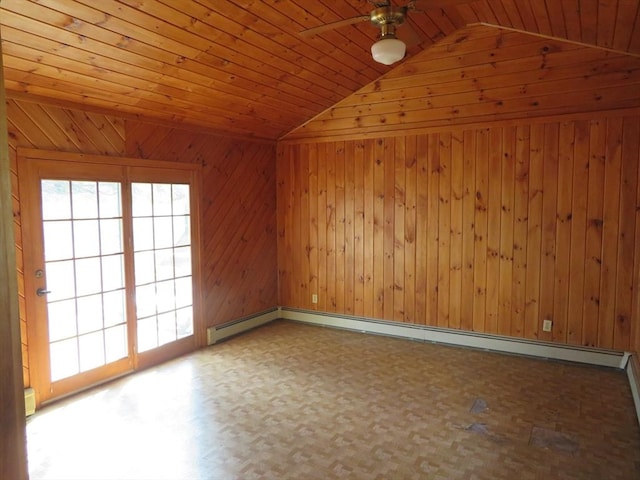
(41, 292)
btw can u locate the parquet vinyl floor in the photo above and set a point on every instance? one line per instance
(294, 401)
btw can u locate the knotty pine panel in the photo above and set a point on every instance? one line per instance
(482, 74)
(487, 229)
(238, 209)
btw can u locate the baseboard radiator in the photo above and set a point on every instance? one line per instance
(218, 333)
(593, 356)
(496, 343)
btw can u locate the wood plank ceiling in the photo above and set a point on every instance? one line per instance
(241, 67)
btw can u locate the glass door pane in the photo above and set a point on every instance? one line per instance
(162, 259)
(84, 264)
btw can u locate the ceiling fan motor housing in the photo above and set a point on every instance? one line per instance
(387, 18)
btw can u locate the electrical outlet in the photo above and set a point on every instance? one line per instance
(314, 298)
(546, 325)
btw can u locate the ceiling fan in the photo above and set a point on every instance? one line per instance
(387, 17)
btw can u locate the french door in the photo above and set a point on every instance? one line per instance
(111, 267)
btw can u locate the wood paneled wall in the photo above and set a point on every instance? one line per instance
(239, 247)
(13, 446)
(238, 198)
(489, 230)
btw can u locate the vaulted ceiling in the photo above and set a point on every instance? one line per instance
(242, 67)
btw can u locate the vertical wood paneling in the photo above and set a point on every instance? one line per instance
(13, 449)
(340, 239)
(433, 192)
(610, 229)
(626, 235)
(323, 204)
(388, 228)
(399, 198)
(455, 252)
(411, 165)
(635, 306)
(468, 230)
(331, 153)
(549, 224)
(422, 217)
(534, 225)
(492, 229)
(444, 229)
(349, 229)
(313, 222)
(369, 228)
(593, 236)
(358, 229)
(563, 231)
(378, 230)
(480, 247)
(506, 231)
(578, 227)
(302, 207)
(520, 231)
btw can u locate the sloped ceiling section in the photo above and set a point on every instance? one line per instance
(241, 67)
(483, 74)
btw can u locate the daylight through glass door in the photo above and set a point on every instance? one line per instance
(84, 264)
(162, 259)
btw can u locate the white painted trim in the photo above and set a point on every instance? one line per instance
(593, 356)
(633, 373)
(226, 330)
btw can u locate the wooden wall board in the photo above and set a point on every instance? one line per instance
(481, 230)
(422, 226)
(468, 230)
(399, 203)
(593, 234)
(13, 449)
(627, 237)
(520, 230)
(513, 225)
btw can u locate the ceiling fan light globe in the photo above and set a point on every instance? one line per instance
(388, 50)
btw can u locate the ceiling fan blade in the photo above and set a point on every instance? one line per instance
(330, 26)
